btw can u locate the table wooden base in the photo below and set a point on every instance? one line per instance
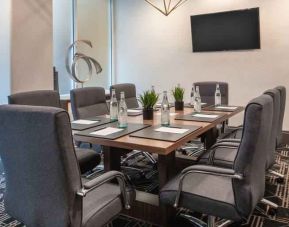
(166, 170)
(147, 206)
(112, 157)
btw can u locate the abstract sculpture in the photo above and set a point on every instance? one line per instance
(71, 69)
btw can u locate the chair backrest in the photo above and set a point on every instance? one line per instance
(36, 98)
(250, 159)
(88, 102)
(207, 91)
(282, 91)
(42, 173)
(275, 94)
(130, 94)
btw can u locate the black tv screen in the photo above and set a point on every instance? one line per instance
(233, 30)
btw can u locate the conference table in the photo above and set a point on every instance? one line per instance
(147, 205)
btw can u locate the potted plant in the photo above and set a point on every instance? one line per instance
(148, 100)
(178, 93)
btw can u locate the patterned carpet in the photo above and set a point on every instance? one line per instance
(262, 217)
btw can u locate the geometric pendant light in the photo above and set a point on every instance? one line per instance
(166, 6)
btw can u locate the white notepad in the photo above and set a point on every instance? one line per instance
(172, 130)
(134, 111)
(205, 116)
(106, 131)
(226, 107)
(84, 122)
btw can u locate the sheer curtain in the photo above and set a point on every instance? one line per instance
(93, 24)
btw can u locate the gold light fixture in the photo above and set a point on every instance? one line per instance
(168, 6)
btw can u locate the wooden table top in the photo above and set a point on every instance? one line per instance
(157, 146)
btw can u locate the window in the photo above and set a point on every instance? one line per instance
(82, 20)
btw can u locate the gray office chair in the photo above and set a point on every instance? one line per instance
(88, 102)
(43, 180)
(207, 91)
(130, 94)
(275, 133)
(282, 91)
(88, 159)
(224, 154)
(228, 193)
(36, 98)
(237, 133)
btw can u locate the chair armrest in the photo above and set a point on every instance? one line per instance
(215, 149)
(205, 169)
(211, 170)
(225, 144)
(229, 140)
(104, 178)
(235, 127)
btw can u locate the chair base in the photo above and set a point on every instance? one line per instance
(210, 223)
(269, 203)
(282, 148)
(279, 175)
(137, 153)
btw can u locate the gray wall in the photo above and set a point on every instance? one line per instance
(153, 49)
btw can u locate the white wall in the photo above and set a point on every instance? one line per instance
(153, 49)
(31, 45)
(5, 19)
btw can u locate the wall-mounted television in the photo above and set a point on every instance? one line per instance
(232, 30)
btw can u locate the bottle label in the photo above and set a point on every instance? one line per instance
(113, 112)
(165, 117)
(218, 99)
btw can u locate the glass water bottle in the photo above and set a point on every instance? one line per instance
(218, 96)
(192, 100)
(165, 110)
(197, 104)
(113, 110)
(122, 112)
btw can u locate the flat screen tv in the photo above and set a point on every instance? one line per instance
(233, 30)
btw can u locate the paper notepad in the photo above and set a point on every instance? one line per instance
(106, 131)
(172, 130)
(84, 122)
(134, 111)
(205, 116)
(226, 107)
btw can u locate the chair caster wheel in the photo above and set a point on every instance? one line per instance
(272, 211)
(280, 180)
